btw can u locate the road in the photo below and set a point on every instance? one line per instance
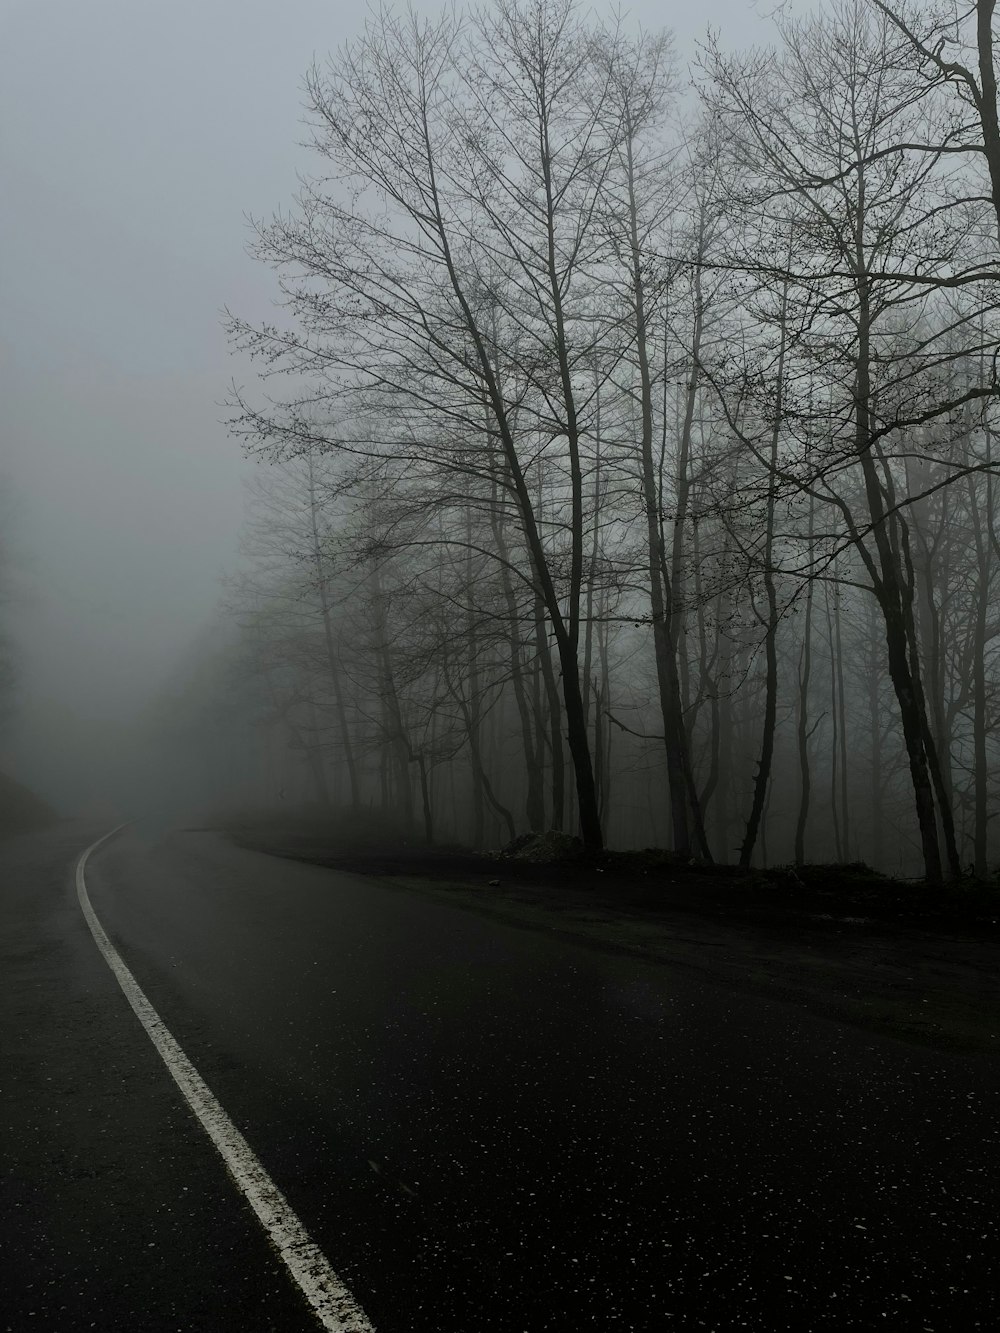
(483, 1128)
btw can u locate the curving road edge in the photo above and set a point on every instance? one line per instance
(329, 1298)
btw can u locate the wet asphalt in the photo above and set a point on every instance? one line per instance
(484, 1128)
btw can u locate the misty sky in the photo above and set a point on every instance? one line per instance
(135, 135)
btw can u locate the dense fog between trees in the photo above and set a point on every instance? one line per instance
(626, 452)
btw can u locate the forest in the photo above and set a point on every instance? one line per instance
(626, 440)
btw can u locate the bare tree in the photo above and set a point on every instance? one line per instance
(810, 129)
(453, 282)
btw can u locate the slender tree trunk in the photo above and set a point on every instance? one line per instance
(554, 719)
(845, 812)
(425, 796)
(534, 801)
(727, 747)
(599, 709)
(472, 711)
(763, 777)
(980, 771)
(913, 737)
(694, 699)
(875, 728)
(930, 636)
(682, 479)
(607, 733)
(553, 704)
(591, 583)
(566, 628)
(495, 803)
(567, 631)
(802, 718)
(838, 846)
(333, 663)
(384, 756)
(685, 811)
(935, 765)
(604, 737)
(888, 575)
(763, 828)
(396, 736)
(317, 765)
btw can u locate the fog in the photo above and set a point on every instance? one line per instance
(136, 142)
(135, 137)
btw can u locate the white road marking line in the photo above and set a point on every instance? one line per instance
(331, 1301)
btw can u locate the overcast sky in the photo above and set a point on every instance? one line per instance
(135, 135)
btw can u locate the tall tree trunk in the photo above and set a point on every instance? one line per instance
(554, 724)
(534, 800)
(425, 797)
(332, 660)
(685, 811)
(980, 771)
(727, 747)
(876, 814)
(472, 711)
(935, 764)
(566, 628)
(887, 574)
(802, 716)
(979, 723)
(317, 765)
(398, 743)
(488, 791)
(838, 846)
(763, 777)
(591, 582)
(605, 742)
(838, 649)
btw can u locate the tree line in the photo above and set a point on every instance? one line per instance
(632, 467)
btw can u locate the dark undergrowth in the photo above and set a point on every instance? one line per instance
(648, 880)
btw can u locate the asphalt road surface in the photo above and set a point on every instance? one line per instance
(483, 1128)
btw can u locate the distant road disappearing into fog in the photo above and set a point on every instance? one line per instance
(481, 1127)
